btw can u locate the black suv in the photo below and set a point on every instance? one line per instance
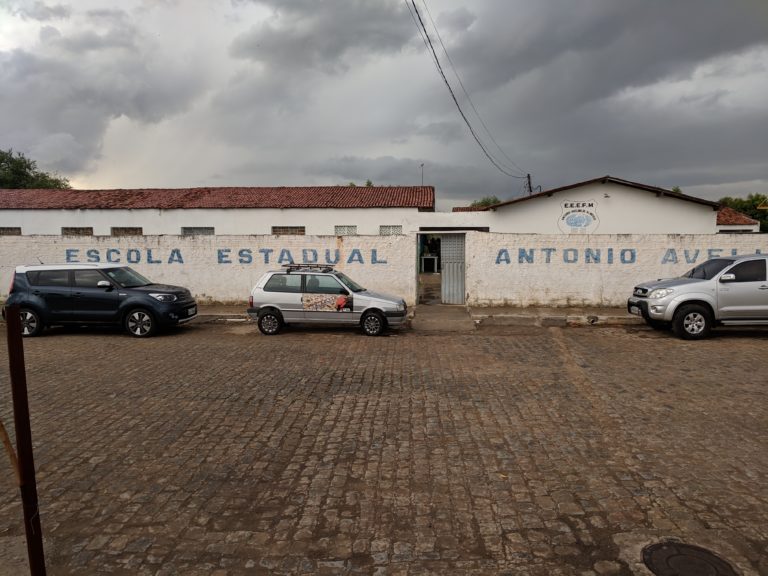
(96, 294)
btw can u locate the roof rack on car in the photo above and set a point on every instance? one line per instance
(320, 267)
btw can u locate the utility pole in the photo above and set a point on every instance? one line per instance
(530, 188)
(422, 173)
(26, 463)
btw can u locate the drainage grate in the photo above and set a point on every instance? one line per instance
(674, 559)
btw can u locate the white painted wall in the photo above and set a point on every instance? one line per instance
(625, 211)
(620, 210)
(501, 269)
(224, 268)
(318, 221)
(584, 270)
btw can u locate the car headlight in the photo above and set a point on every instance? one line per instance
(400, 306)
(164, 297)
(660, 293)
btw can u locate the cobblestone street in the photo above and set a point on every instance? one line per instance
(510, 450)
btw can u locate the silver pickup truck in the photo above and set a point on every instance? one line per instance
(729, 290)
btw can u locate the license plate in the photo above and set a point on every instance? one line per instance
(635, 310)
(192, 311)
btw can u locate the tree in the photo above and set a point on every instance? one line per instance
(18, 171)
(368, 183)
(487, 201)
(749, 206)
(677, 190)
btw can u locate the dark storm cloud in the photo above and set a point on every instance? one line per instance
(609, 45)
(324, 34)
(551, 76)
(699, 136)
(254, 108)
(561, 54)
(444, 132)
(664, 150)
(650, 90)
(57, 101)
(287, 58)
(112, 29)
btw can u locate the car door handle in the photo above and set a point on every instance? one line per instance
(763, 288)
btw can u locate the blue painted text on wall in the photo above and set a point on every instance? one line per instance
(672, 256)
(569, 255)
(308, 256)
(608, 255)
(226, 256)
(123, 256)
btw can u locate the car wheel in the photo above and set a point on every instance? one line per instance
(658, 324)
(140, 323)
(692, 322)
(31, 324)
(372, 323)
(270, 323)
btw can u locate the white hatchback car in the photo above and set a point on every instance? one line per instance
(311, 293)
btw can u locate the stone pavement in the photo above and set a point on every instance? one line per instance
(515, 450)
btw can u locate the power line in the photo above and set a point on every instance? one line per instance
(421, 32)
(469, 99)
(448, 85)
(450, 90)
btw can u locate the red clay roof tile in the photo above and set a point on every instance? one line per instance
(421, 197)
(729, 217)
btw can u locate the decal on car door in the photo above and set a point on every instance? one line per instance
(326, 303)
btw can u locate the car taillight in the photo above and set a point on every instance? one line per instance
(250, 301)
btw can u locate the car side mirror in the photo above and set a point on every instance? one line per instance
(728, 277)
(104, 284)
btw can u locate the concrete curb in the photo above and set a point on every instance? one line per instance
(228, 317)
(551, 317)
(548, 319)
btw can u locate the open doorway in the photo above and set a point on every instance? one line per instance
(441, 267)
(429, 269)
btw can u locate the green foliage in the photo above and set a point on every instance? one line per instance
(18, 171)
(677, 189)
(368, 183)
(749, 206)
(487, 201)
(352, 184)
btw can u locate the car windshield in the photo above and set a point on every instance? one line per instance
(348, 282)
(709, 269)
(127, 277)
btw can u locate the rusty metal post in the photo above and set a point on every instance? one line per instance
(27, 484)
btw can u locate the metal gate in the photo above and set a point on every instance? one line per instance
(452, 256)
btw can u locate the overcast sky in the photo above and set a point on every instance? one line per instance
(183, 93)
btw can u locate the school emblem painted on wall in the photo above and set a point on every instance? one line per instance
(578, 217)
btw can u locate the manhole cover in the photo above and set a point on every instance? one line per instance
(673, 559)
